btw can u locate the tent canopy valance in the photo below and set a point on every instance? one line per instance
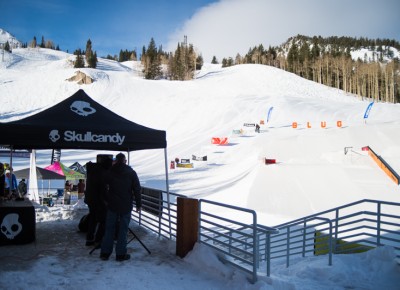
(79, 122)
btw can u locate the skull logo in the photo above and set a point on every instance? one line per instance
(82, 108)
(54, 136)
(11, 227)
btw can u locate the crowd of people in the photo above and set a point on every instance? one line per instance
(111, 191)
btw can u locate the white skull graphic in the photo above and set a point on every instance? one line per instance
(82, 108)
(11, 227)
(54, 136)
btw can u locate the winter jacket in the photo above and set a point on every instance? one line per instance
(14, 184)
(123, 189)
(22, 188)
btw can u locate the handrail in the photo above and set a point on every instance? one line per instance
(234, 232)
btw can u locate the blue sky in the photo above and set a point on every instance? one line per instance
(215, 27)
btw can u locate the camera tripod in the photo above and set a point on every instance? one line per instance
(134, 236)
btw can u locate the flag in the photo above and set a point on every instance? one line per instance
(367, 110)
(269, 113)
(56, 156)
(33, 193)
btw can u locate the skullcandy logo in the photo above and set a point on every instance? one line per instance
(54, 135)
(11, 227)
(73, 136)
(82, 108)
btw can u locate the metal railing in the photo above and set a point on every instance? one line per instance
(351, 228)
(234, 234)
(156, 215)
(238, 239)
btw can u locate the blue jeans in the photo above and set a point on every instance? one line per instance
(112, 219)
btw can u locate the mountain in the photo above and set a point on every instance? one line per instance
(368, 50)
(5, 36)
(313, 172)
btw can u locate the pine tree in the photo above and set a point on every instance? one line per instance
(179, 64)
(224, 62)
(79, 62)
(152, 62)
(199, 62)
(7, 47)
(214, 60)
(293, 57)
(33, 43)
(92, 60)
(42, 44)
(91, 57)
(88, 51)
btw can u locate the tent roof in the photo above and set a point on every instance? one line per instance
(40, 172)
(62, 169)
(76, 166)
(79, 122)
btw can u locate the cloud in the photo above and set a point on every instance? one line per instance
(228, 27)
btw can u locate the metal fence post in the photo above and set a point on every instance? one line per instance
(378, 224)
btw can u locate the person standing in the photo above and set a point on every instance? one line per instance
(123, 188)
(22, 190)
(2, 181)
(68, 186)
(81, 188)
(10, 184)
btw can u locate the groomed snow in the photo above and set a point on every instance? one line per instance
(312, 172)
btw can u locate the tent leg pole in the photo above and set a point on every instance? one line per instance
(11, 170)
(167, 186)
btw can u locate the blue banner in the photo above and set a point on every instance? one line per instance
(368, 109)
(269, 113)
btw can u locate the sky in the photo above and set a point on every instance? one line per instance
(215, 28)
(311, 173)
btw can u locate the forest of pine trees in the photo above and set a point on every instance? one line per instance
(43, 44)
(90, 56)
(180, 65)
(328, 61)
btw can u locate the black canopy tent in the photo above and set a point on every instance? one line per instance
(79, 122)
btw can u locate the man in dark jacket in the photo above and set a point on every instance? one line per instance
(123, 187)
(95, 199)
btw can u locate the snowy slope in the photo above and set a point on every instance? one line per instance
(312, 172)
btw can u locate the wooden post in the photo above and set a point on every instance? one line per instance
(187, 225)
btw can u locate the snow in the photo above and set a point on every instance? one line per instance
(368, 55)
(312, 172)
